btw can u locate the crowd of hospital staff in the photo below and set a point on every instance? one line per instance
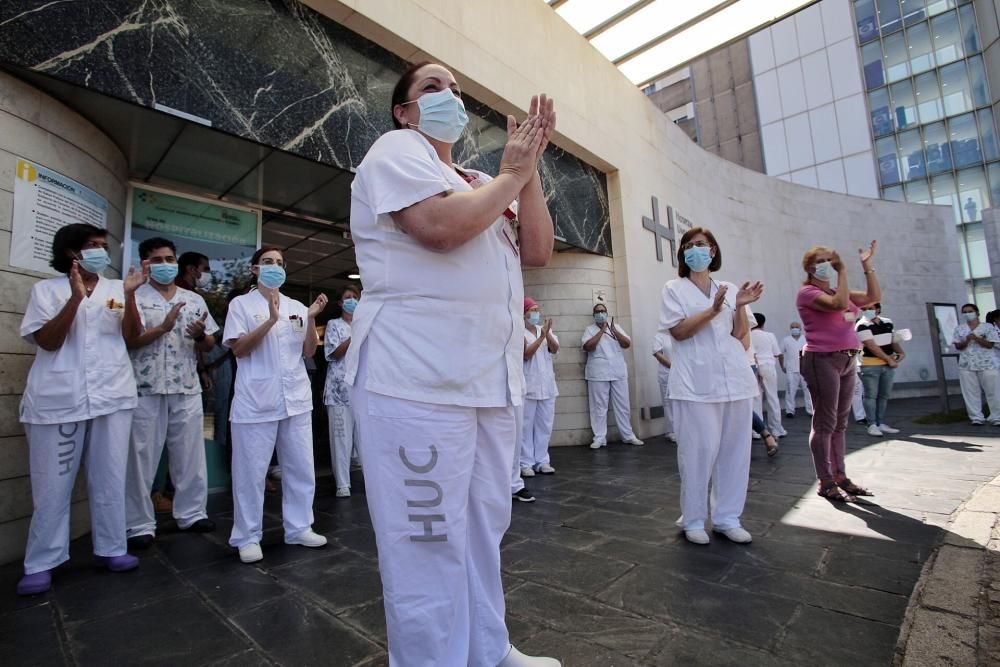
(446, 431)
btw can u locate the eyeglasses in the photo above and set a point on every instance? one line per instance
(267, 261)
(696, 244)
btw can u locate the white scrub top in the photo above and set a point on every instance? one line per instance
(335, 389)
(710, 366)
(539, 374)
(440, 327)
(663, 343)
(606, 362)
(169, 365)
(271, 381)
(765, 347)
(792, 351)
(90, 374)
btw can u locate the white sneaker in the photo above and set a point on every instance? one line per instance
(546, 469)
(755, 435)
(527, 471)
(885, 428)
(738, 535)
(633, 441)
(597, 444)
(977, 422)
(517, 659)
(672, 437)
(251, 553)
(874, 431)
(307, 538)
(696, 536)
(343, 492)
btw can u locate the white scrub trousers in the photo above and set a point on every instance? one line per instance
(668, 420)
(439, 481)
(976, 383)
(794, 381)
(769, 397)
(516, 481)
(858, 400)
(55, 452)
(539, 416)
(713, 445)
(342, 441)
(176, 420)
(598, 392)
(253, 445)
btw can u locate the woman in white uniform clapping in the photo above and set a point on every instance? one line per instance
(540, 343)
(711, 387)
(78, 403)
(607, 376)
(435, 365)
(269, 335)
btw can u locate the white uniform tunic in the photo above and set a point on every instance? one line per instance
(340, 419)
(169, 412)
(606, 362)
(711, 388)
(766, 350)
(663, 343)
(540, 402)
(77, 408)
(791, 350)
(436, 366)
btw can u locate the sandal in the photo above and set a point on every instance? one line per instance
(770, 443)
(835, 493)
(854, 489)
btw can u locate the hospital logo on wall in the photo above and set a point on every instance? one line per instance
(676, 225)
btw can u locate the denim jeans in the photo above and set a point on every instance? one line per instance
(877, 381)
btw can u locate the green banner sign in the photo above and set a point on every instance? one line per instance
(182, 218)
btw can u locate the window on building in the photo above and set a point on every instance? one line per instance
(918, 192)
(889, 17)
(975, 241)
(988, 135)
(878, 102)
(913, 11)
(977, 76)
(897, 61)
(993, 170)
(935, 7)
(929, 98)
(983, 296)
(867, 20)
(920, 47)
(937, 148)
(956, 90)
(911, 155)
(904, 105)
(943, 193)
(888, 161)
(947, 38)
(970, 31)
(893, 193)
(964, 139)
(871, 57)
(973, 193)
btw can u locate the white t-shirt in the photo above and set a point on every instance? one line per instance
(90, 374)
(271, 381)
(606, 362)
(765, 347)
(439, 327)
(710, 366)
(663, 343)
(169, 365)
(791, 349)
(539, 374)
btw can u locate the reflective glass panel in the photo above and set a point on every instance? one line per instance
(937, 148)
(983, 296)
(904, 105)
(871, 59)
(889, 18)
(888, 164)
(964, 137)
(913, 11)
(988, 135)
(911, 155)
(938, 6)
(943, 192)
(878, 102)
(964, 253)
(973, 193)
(867, 21)
(893, 193)
(975, 245)
(947, 38)
(993, 170)
(897, 62)
(918, 192)
(970, 31)
(929, 98)
(977, 74)
(920, 47)
(956, 90)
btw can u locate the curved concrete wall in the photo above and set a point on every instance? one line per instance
(505, 52)
(38, 128)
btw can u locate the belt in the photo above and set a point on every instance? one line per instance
(850, 353)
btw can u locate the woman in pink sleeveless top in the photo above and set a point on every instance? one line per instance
(829, 359)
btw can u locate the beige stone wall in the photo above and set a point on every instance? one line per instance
(40, 129)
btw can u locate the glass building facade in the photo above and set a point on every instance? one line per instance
(932, 125)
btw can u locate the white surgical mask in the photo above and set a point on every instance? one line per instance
(442, 115)
(205, 280)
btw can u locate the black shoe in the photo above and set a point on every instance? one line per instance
(863, 422)
(524, 496)
(789, 415)
(200, 526)
(140, 542)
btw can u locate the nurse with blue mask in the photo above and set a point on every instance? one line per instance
(607, 377)
(340, 418)
(269, 335)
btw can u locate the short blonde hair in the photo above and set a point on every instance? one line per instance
(809, 259)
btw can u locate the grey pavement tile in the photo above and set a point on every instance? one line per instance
(188, 551)
(245, 658)
(234, 587)
(28, 636)
(643, 529)
(368, 619)
(103, 592)
(561, 566)
(340, 580)
(293, 631)
(682, 648)
(702, 605)
(164, 633)
(359, 539)
(573, 651)
(592, 489)
(860, 569)
(551, 532)
(838, 639)
(692, 560)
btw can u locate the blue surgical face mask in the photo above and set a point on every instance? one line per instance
(796, 331)
(698, 258)
(601, 317)
(824, 271)
(969, 317)
(442, 115)
(163, 273)
(271, 276)
(349, 305)
(94, 260)
(868, 314)
(534, 317)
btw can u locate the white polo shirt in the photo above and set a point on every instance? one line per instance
(539, 374)
(765, 347)
(439, 327)
(791, 348)
(90, 374)
(271, 381)
(710, 366)
(606, 362)
(169, 365)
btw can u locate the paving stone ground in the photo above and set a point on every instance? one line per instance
(596, 572)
